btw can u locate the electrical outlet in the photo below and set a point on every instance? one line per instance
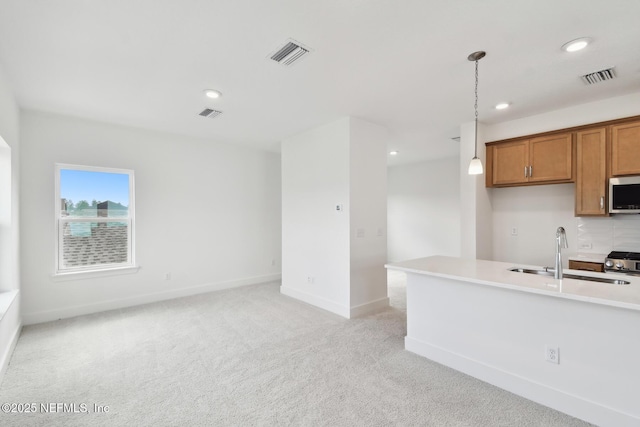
(514, 231)
(167, 276)
(586, 245)
(552, 354)
(310, 280)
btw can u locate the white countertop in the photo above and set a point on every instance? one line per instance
(493, 273)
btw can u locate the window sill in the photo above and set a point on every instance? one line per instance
(6, 299)
(90, 274)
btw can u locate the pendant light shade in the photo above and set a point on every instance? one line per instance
(475, 167)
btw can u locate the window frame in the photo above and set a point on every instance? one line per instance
(59, 221)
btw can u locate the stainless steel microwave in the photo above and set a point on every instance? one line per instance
(624, 195)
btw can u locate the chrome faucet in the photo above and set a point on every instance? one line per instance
(561, 240)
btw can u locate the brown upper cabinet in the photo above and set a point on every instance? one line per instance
(540, 160)
(588, 155)
(625, 149)
(591, 172)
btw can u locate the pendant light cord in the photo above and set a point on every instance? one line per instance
(476, 109)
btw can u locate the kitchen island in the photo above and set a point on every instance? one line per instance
(500, 326)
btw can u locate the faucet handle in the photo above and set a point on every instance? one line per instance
(561, 235)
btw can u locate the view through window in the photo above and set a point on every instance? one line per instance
(94, 214)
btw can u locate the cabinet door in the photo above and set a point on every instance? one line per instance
(625, 149)
(591, 173)
(550, 158)
(509, 162)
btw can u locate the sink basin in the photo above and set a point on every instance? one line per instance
(542, 272)
(597, 279)
(549, 272)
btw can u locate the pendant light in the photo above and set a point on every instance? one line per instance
(475, 167)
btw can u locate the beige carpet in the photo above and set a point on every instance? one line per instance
(244, 357)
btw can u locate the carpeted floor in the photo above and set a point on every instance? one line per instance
(244, 357)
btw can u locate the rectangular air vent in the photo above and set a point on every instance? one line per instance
(290, 53)
(208, 112)
(599, 76)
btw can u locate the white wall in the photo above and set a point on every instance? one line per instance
(7, 250)
(475, 205)
(335, 259)
(424, 209)
(538, 210)
(315, 237)
(592, 112)
(368, 212)
(9, 188)
(206, 212)
(9, 224)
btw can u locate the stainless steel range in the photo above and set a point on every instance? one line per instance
(623, 262)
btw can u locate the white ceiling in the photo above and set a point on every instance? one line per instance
(399, 63)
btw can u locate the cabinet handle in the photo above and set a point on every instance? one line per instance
(525, 172)
(602, 203)
(530, 171)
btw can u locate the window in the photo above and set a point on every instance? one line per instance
(94, 218)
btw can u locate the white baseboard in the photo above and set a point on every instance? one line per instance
(317, 301)
(573, 405)
(66, 312)
(369, 307)
(325, 304)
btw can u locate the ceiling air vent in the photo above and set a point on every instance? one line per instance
(599, 76)
(290, 53)
(208, 112)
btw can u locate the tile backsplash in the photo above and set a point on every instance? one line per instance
(603, 235)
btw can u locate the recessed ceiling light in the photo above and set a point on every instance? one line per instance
(393, 153)
(576, 45)
(213, 94)
(502, 106)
